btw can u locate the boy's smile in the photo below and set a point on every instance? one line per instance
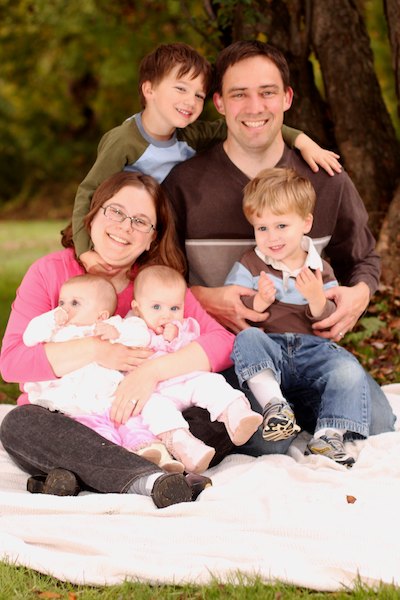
(279, 236)
(174, 102)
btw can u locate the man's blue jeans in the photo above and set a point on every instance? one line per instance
(324, 383)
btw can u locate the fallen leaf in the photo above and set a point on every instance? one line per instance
(351, 499)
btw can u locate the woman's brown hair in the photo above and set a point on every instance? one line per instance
(164, 250)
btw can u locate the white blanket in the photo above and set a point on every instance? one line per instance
(283, 518)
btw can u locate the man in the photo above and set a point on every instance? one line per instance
(253, 93)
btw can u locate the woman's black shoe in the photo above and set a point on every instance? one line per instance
(198, 483)
(169, 489)
(58, 482)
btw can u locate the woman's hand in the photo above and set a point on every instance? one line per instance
(120, 357)
(133, 393)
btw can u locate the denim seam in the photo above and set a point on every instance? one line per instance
(245, 374)
(345, 424)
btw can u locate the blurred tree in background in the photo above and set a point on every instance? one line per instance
(69, 73)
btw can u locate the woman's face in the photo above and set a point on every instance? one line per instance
(118, 243)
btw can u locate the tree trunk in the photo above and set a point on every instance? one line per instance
(363, 128)
(389, 240)
(389, 245)
(392, 12)
(352, 116)
(285, 30)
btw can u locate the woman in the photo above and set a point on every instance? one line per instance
(137, 231)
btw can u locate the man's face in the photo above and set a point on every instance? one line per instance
(253, 101)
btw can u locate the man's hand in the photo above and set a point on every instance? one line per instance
(351, 302)
(225, 305)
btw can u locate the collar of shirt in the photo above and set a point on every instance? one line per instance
(313, 261)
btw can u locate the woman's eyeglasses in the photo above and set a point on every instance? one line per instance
(139, 223)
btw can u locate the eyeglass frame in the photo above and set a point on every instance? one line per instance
(132, 219)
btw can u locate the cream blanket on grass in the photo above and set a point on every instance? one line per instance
(283, 518)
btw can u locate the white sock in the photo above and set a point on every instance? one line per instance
(325, 430)
(264, 386)
(144, 485)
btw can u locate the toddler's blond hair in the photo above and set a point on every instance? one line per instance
(280, 190)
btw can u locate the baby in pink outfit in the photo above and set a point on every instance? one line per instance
(159, 298)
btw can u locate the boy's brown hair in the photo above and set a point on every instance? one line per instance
(159, 63)
(279, 190)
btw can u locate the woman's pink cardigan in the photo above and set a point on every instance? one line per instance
(38, 293)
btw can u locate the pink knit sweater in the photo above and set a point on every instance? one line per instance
(39, 292)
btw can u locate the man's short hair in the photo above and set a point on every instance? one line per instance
(242, 50)
(158, 64)
(280, 190)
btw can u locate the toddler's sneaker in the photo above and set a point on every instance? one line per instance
(279, 422)
(330, 445)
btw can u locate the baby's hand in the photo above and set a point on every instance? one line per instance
(94, 264)
(60, 316)
(170, 332)
(266, 289)
(309, 284)
(106, 331)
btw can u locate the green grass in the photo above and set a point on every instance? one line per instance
(20, 244)
(19, 583)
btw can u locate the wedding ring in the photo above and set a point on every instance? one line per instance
(341, 334)
(134, 402)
